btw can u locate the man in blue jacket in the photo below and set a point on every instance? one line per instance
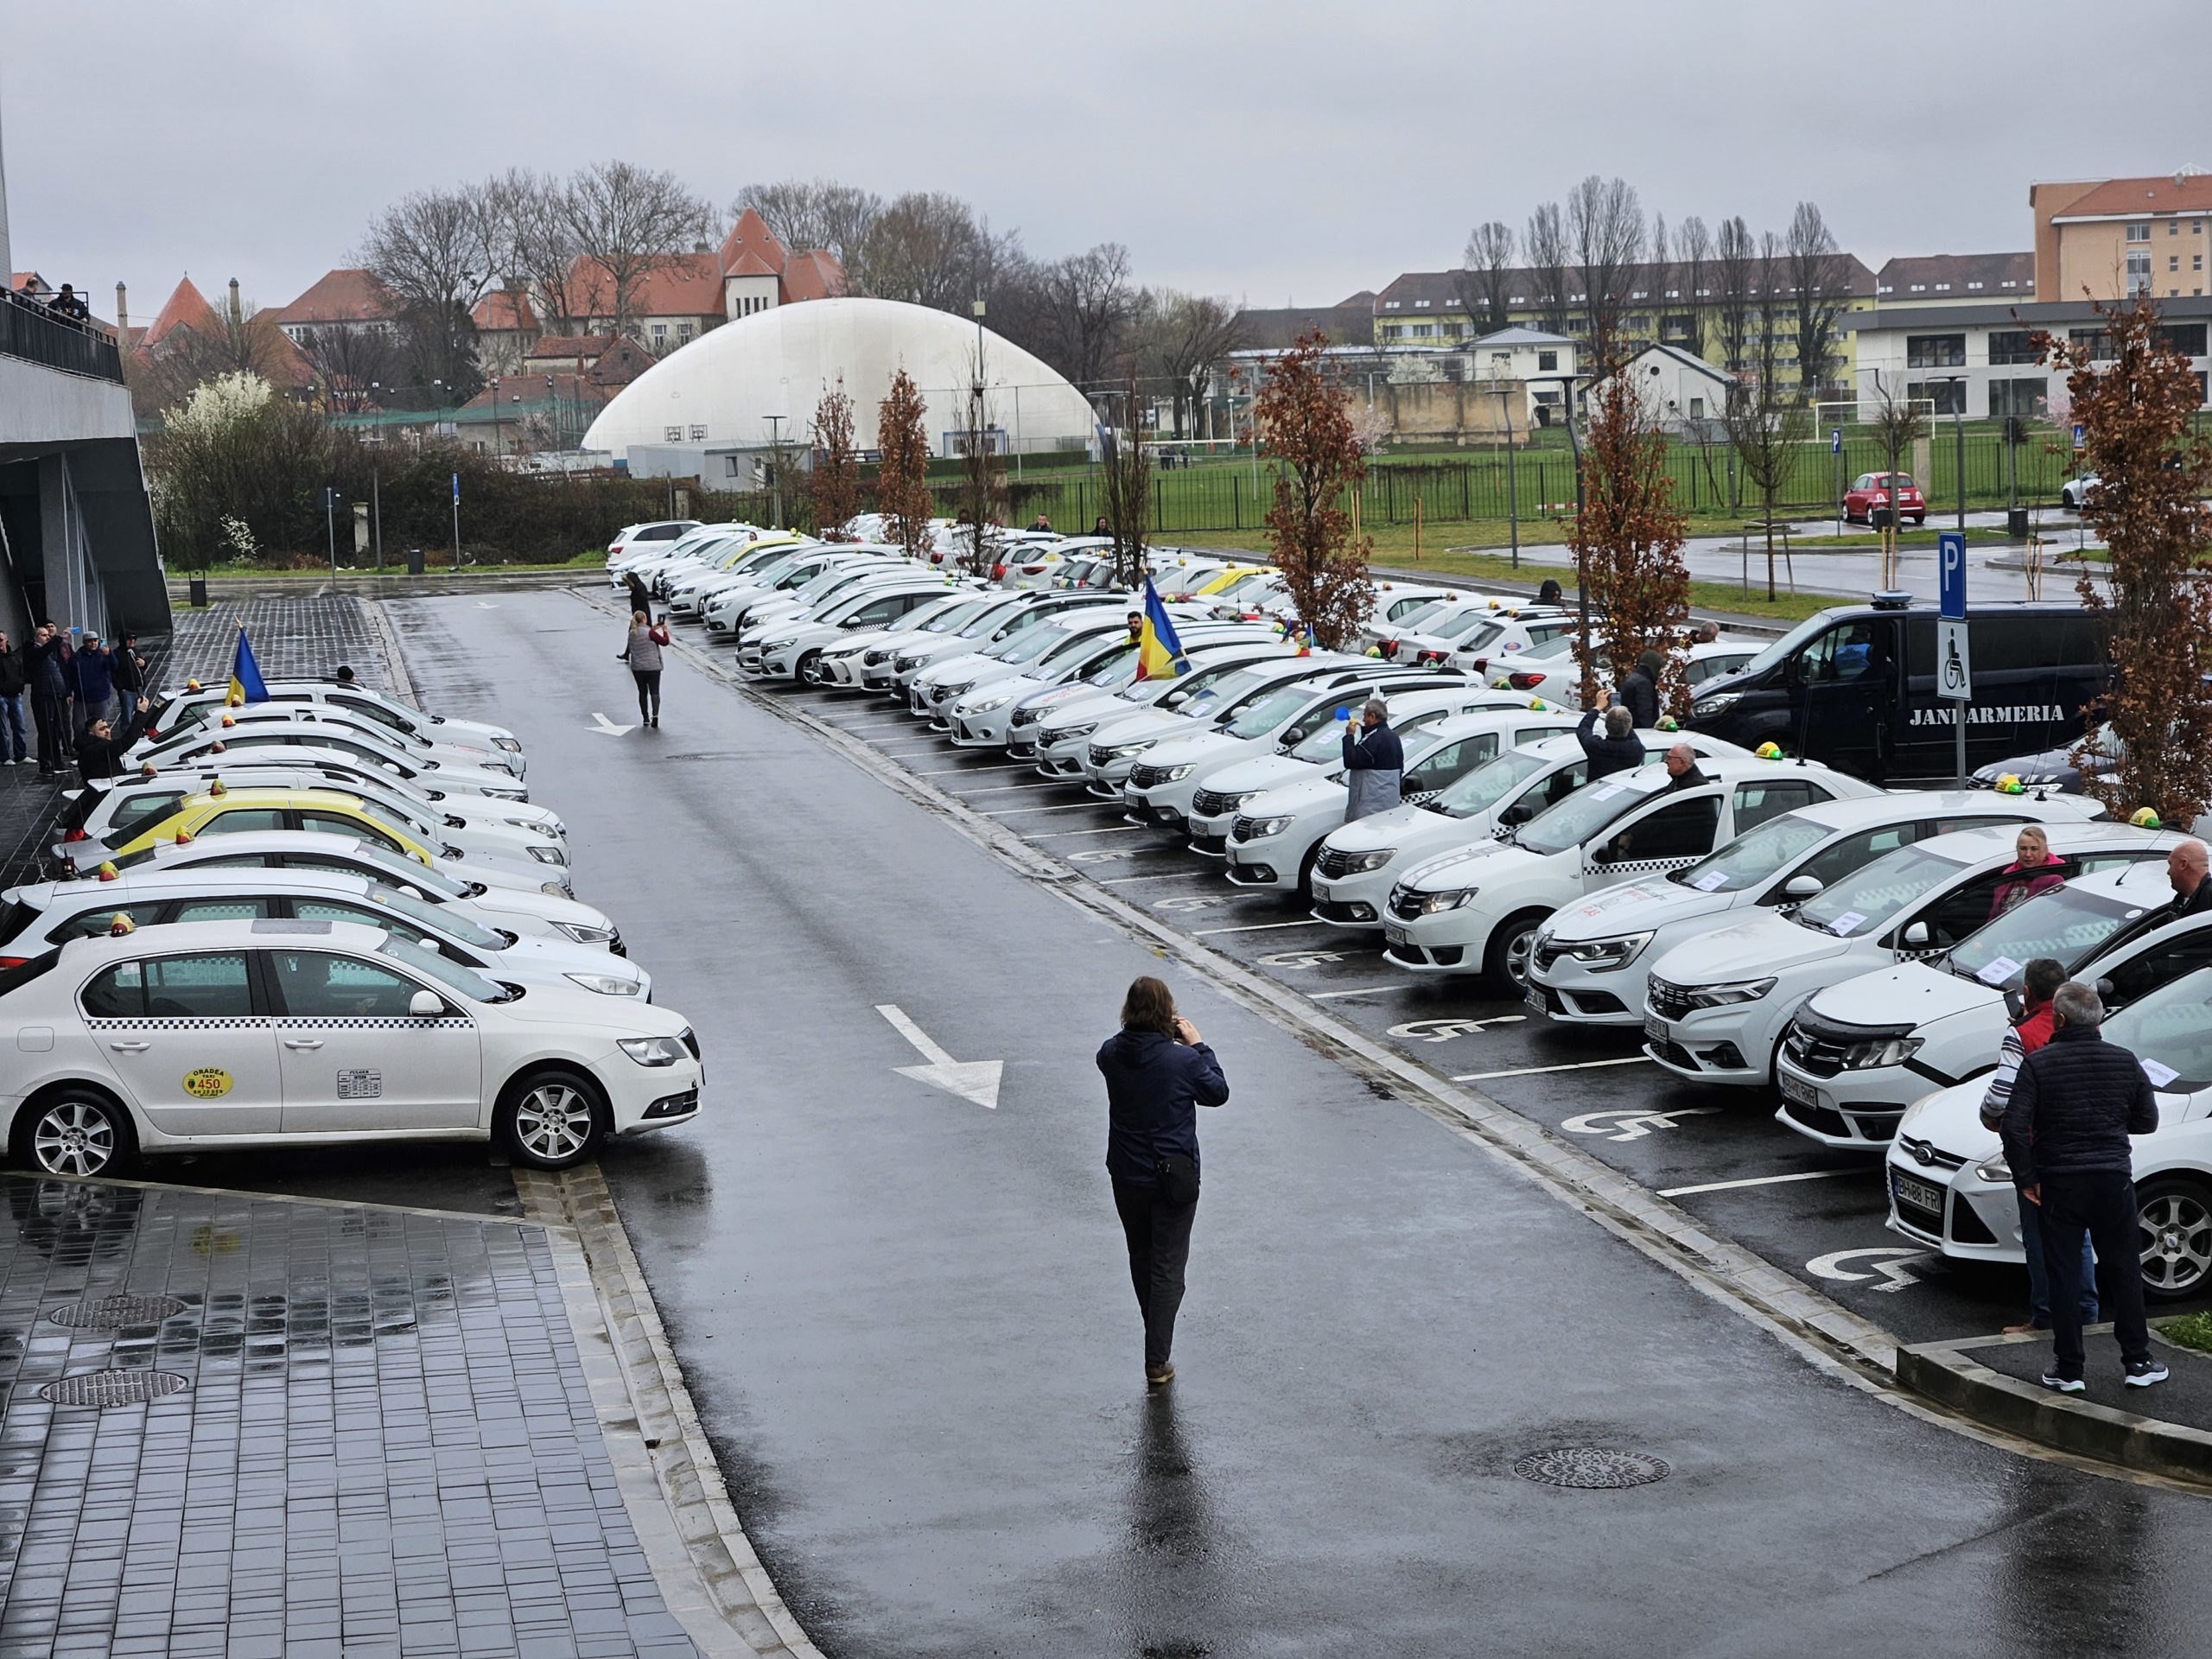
(2075, 1102)
(1158, 1072)
(1375, 763)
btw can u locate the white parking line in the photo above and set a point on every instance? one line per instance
(1255, 927)
(1766, 1180)
(948, 771)
(993, 789)
(1110, 830)
(1157, 875)
(1012, 811)
(1372, 990)
(1571, 1065)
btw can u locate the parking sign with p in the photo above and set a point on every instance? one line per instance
(1951, 573)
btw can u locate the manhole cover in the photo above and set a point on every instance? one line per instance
(114, 1312)
(1589, 1467)
(105, 1388)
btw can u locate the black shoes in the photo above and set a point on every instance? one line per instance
(2145, 1372)
(1155, 1376)
(2065, 1384)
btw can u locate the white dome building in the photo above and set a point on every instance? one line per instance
(707, 404)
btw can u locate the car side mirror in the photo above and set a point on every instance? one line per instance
(1799, 888)
(1915, 937)
(1519, 812)
(425, 1005)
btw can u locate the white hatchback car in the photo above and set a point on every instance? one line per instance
(305, 742)
(323, 716)
(198, 707)
(294, 1032)
(1949, 1188)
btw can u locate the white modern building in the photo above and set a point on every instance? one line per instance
(1677, 389)
(709, 409)
(1544, 363)
(76, 525)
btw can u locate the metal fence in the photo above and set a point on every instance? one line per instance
(29, 331)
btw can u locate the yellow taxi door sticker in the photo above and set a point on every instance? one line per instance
(208, 1082)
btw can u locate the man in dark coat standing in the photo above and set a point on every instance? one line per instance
(1158, 1072)
(15, 670)
(2185, 869)
(1619, 749)
(101, 749)
(46, 658)
(2073, 1103)
(1375, 763)
(1640, 690)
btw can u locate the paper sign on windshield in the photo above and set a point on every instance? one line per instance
(1605, 792)
(2160, 1075)
(1997, 970)
(1845, 923)
(1710, 880)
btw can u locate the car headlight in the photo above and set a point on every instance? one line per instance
(498, 794)
(1361, 863)
(554, 888)
(849, 652)
(1608, 955)
(1065, 733)
(585, 933)
(1880, 1052)
(1177, 774)
(1432, 903)
(1716, 703)
(876, 659)
(991, 705)
(1230, 803)
(654, 1050)
(946, 693)
(606, 985)
(1130, 749)
(1728, 994)
(547, 855)
(770, 646)
(1994, 1170)
(509, 744)
(1255, 828)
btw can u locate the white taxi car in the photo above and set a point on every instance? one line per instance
(300, 1032)
(196, 708)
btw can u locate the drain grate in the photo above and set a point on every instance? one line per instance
(115, 1313)
(1590, 1468)
(105, 1388)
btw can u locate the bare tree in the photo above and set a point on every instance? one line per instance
(1694, 270)
(1658, 274)
(1819, 278)
(1126, 488)
(807, 213)
(630, 221)
(1185, 336)
(349, 363)
(984, 478)
(434, 249)
(1544, 243)
(929, 249)
(1087, 304)
(1765, 416)
(1734, 259)
(1605, 227)
(534, 246)
(1486, 275)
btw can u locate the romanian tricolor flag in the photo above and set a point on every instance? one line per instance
(245, 676)
(1159, 653)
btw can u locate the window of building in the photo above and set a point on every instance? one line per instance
(1547, 362)
(2200, 389)
(2022, 396)
(2098, 342)
(1879, 287)
(2138, 273)
(1390, 305)
(1697, 409)
(2173, 227)
(1424, 330)
(684, 331)
(729, 465)
(2173, 261)
(1935, 350)
(673, 434)
(2010, 345)
(2008, 282)
(1421, 305)
(1946, 396)
(1918, 288)
(2197, 262)
(698, 434)
(1973, 284)
(2187, 337)
(2139, 231)
(1942, 287)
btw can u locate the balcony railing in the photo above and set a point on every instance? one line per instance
(29, 331)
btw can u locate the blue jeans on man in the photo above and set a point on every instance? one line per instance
(2039, 1277)
(13, 744)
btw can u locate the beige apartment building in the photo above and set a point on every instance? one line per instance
(2108, 238)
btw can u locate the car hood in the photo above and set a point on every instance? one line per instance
(1145, 723)
(1379, 829)
(951, 668)
(1471, 866)
(1262, 771)
(1949, 1120)
(1016, 686)
(1636, 906)
(546, 906)
(1199, 746)
(1316, 792)
(1086, 707)
(1749, 947)
(1911, 993)
(591, 1016)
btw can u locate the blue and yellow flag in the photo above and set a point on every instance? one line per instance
(1159, 653)
(245, 676)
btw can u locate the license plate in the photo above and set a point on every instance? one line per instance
(1798, 1089)
(1393, 934)
(1656, 1028)
(1918, 1194)
(1536, 1000)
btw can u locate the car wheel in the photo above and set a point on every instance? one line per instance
(810, 669)
(1506, 960)
(1305, 889)
(2176, 1219)
(551, 1120)
(75, 1132)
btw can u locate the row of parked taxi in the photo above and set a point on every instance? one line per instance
(1761, 921)
(325, 916)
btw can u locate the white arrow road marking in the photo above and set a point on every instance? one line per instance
(481, 606)
(1632, 1125)
(1443, 1031)
(1887, 1262)
(975, 1080)
(601, 724)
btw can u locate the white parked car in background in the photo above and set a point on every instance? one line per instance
(1478, 911)
(633, 539)
(377, 708)
(1060, 739)
(323, 716)
(279, 741)
(291, 1033)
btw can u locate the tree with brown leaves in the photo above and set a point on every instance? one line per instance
(833, 486)
(1305, 425)
(902, 489)
(985, 491)
(1125, 489)
(2136, 409)
(1628, 534)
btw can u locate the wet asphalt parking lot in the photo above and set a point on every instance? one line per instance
(902, 1313)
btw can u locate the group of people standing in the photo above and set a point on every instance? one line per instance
(77, 686)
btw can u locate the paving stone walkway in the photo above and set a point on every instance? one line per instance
(377, 1438)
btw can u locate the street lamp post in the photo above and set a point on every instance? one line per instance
(495, 416)
(776, 465)
(1959, 453)
(1582, 559)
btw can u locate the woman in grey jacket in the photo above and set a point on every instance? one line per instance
(643, 654)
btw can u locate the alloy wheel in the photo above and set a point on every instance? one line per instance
(73, 1137)
(2177, 1239)
(553, 1123)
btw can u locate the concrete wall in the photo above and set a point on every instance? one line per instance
(43, 405)
(1457, 410)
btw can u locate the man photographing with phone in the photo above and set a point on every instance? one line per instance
(1158, 1072)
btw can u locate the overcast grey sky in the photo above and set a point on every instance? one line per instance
(1296, 149)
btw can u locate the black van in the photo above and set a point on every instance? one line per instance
(1855, 687)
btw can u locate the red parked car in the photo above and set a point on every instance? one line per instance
(1869, 494)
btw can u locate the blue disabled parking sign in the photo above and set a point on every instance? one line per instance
(1951, 573)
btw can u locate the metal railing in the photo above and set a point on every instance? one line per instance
(31, 332)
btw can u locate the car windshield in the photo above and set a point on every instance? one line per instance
(2065, 922)
(463, 981)
(1031, 646)
(925, 616)
(1269, 712)
(1488, 783)
(1325, 743)
(1867, 898)
(444, 918)
(2169, 1031)
(961, 617)
(774, 572)
(1115, 672)
(383, 814)
(1754, 856)
(1583, 814)
(1788, 646)
(1458, 627)
(1081, 646)
(1411, 620)
(392, 867)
